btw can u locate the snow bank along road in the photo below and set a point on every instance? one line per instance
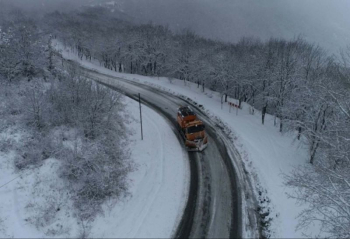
(219, 193)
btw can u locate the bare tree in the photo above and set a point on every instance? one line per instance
(326, 193)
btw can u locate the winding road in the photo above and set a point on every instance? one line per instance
(220, 202)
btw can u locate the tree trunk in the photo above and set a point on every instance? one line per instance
(253, 103)
(299, 132)
(313, 153)
(281, 124)
(316, 142)
(263, 112)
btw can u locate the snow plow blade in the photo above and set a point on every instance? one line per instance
(197, 146)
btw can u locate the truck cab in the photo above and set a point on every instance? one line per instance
(192, 129)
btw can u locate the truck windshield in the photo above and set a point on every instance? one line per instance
(195, 129)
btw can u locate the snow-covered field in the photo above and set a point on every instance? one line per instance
(154, 207)
(267, 154)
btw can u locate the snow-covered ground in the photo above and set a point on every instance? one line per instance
(160, 184)
(153, 209)
(267, 154)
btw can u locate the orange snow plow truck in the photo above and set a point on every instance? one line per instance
(192, 129)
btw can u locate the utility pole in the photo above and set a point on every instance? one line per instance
(140, 116)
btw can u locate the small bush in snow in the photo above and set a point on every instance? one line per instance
(6, 145)
(29, 154)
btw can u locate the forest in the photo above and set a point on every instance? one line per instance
(57, 113)
(304, 87)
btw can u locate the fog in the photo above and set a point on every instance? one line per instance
(323, 22)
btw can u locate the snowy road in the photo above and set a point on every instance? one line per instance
(214, 207)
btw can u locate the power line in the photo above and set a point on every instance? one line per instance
(10, 181)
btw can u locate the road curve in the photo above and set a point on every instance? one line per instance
(218, 192)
